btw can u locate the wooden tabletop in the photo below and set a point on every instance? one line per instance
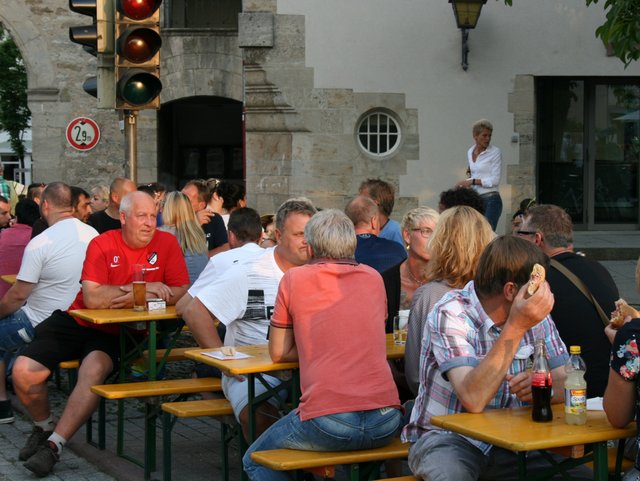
(9, 278)
(116, 316)
(513, 429)
(261, 361)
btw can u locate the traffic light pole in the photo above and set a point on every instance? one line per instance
(131, 139)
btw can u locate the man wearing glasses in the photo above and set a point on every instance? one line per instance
(575, 315)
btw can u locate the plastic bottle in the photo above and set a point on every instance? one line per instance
(575, 389)
(541, 385)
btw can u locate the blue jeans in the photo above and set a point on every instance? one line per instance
(492, 208)
(16, 332)
(334, 432)
(443, 456)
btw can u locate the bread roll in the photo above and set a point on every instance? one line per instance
(623, 310)
(228, 350)
(538, 275)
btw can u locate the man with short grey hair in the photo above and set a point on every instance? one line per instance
(319, 309)
(576, 317)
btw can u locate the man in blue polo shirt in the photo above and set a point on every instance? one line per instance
(379, 253)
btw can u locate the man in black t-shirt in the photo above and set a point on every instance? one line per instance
(109, 218)
(212, 223)
(575, 316)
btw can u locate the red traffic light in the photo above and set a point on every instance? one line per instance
(138, 9)
(139, 45)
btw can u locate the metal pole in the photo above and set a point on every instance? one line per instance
(465, 49)
(131, 136)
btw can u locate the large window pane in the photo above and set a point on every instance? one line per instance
(561, 145)
(617, 147)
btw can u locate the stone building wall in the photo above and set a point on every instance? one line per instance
(56, 69)
(300, 139)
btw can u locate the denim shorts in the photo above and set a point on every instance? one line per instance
(16, 332)
(237, 392)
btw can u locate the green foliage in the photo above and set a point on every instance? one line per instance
(14, 111)
(621, 29)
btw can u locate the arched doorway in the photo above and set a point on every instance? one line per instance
(199, 138)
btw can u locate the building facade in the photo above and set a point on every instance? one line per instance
(310, 97)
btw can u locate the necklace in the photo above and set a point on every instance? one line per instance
(414, 277)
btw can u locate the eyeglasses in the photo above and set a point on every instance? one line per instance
(526, 232)
(424, 231)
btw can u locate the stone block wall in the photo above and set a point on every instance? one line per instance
(301, 139)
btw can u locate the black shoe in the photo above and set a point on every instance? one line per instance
(6, 412)
(43, 461)
(37, 438)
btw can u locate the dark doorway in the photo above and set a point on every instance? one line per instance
(200, 138)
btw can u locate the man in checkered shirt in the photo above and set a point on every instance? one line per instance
(475, 349)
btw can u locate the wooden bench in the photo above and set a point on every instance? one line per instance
(175, 355)
(293, 459)
(612, 454)
(72, 373)
(219, 408)
(150, 392)
(157, 388)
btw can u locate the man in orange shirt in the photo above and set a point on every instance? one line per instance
(349, 399)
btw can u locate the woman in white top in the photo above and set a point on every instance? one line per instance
(485, 167)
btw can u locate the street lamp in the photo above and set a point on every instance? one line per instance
(467, 13)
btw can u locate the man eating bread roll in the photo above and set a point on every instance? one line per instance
(478, 341)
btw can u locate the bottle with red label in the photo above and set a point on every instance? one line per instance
(541, 385)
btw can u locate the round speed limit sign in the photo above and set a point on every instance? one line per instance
(83, 133)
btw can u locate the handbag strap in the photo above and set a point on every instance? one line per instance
(576, 281)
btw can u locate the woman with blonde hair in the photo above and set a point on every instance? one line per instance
(180, 220)
(455, 247)
(402, 280)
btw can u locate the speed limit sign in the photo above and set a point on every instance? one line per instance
(83, 133)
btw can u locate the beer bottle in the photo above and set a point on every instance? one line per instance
(541, 385)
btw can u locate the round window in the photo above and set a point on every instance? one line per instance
(378, 134)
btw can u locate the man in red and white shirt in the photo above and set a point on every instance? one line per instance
(106, 284)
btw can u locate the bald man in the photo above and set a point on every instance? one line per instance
(109, 218)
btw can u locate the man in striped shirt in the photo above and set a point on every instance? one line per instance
(475, 350)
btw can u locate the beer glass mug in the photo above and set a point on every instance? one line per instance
(139, 288)
(400, 327)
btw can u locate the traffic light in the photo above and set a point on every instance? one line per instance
(97, 39)
(137, 54)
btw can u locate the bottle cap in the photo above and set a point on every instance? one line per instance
(574, 349)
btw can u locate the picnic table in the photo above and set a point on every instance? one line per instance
(260, 363)
(140, 327)
(513, 429)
